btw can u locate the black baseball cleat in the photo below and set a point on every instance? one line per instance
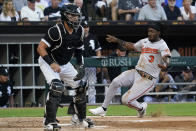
(90, 122)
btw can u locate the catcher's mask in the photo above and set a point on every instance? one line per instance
(71, 13)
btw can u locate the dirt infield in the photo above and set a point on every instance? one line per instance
(117, 123)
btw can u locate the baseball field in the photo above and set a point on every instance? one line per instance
(167, 117)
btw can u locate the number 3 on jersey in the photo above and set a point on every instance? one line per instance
(151, 58)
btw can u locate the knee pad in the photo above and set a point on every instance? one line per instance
(56, 88)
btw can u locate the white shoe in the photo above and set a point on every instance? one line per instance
(98, 111)
(52, 126)
(86, 123)
(74, 120)
(142, 113)
(90, 122)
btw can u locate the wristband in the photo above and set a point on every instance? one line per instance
(48, 59)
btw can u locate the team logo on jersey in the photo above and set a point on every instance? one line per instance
(92, 44)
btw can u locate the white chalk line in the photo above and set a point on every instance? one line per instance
(70, 125)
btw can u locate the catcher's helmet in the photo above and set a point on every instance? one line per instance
(68, 14)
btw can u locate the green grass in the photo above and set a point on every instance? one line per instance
(180, 109)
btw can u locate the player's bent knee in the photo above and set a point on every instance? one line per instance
(124, 99)
(56, 88)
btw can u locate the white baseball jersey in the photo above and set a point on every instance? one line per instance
(151, 55)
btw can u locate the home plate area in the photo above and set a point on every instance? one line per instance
(108, 123)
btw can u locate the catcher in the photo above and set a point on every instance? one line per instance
(56, 50)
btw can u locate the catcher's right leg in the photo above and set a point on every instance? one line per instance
(52, 103)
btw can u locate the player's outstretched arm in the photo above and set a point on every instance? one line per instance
(125, 44)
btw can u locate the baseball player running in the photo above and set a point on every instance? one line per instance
(56, 50)
(155, 55)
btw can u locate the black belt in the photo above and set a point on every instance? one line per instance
(145, 75)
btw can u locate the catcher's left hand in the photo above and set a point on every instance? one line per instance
(81, 72)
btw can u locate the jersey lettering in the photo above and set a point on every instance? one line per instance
(92, 44)
(149, 50)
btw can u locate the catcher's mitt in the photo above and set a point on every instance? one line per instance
(81, 72)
